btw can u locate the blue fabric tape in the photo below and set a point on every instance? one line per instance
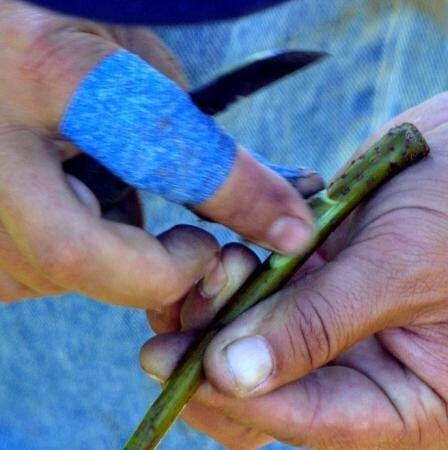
(145, 129)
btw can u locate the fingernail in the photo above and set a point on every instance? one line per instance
(147, 365)
(154, 377)
(214, 282)
(249, 362)
(289, 234)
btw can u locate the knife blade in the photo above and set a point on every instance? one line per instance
(258, 72)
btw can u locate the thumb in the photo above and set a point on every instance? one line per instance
(299, 329)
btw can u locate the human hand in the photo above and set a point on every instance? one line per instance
(353, 353)
(52, 237)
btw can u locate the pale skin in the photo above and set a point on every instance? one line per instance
(52, 238)
(357, 343)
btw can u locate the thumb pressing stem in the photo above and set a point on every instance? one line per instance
(398, 149)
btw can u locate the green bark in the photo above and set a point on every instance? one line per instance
(397, 150)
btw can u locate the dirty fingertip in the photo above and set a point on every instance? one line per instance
(160, 355)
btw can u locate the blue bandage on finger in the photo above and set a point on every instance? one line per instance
(292, 175)
(145, 129)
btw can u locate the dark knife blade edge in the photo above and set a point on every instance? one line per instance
(258, 72)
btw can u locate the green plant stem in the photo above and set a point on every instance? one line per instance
(398, 149)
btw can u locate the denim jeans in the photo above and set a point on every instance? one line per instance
(69, 371)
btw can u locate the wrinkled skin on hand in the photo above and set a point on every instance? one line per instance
(357, 343)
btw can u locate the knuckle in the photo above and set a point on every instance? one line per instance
(47, 56)
(51, 57)
(307, 327)
(45, 42)
(148, 45)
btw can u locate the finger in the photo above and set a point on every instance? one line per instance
(158, 358)
(355, 295)
(51, 54)
(309, 185)
(335, 407)
(305, 181)
(12, 291)
(13, 262)
(16, 265)
(81, 252)
(47, 59)
(310, 323)
(204, 300)
(166, 319)
(160, 355)
(65, 148)
(149, 47)
(236, 264)
(315, 262)
(365, 399)
(269, 210)
(229, 433)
